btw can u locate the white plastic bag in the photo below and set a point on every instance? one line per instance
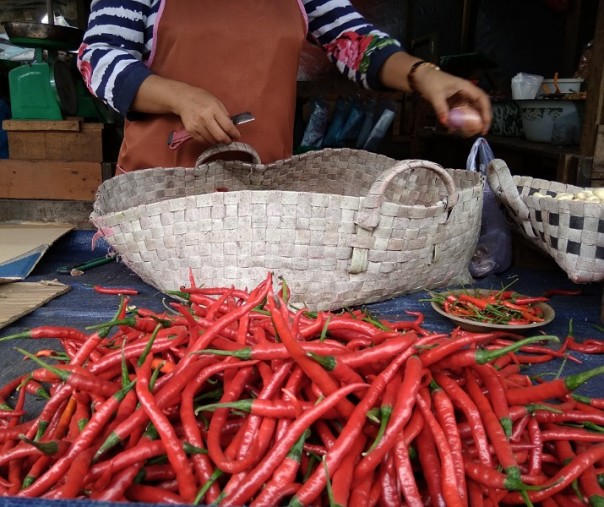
(525, 86)
(493, 252)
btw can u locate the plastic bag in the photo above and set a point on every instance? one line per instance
(381, 126)
(525, 86)
(493, 252)
(317, 124)
(333, 136)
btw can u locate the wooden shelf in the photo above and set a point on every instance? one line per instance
(525, 157)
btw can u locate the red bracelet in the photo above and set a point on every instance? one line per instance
(412, 71)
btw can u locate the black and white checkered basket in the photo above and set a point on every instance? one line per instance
(570, 231)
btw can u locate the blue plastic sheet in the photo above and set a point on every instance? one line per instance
(82, 307)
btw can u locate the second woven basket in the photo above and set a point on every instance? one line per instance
(570, 231)
(342, 227)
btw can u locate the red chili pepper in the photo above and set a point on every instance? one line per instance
(361, 493)
(283, 476)
(471, 357)
(326, 383)
(564, 476)
(119, 483)
(406, 476)
(115, 291)
(452, 492)
(524, 301)
(258, 431)
(536, 453)
(342, 481)
(74, 478)
(479, 302)
(562, 292)
(445, 415)
(80, 444)
(151, 494)
(557, 388)
(401, 412)
(231, 393)
(78, 378)
(463, 402)
(589, 346)
(258, 476)
(271, 351)
(353, 427)
(496, 389)
(430, 466)
(388, 494)
(495, 432)
(340, 370)
(174, 451)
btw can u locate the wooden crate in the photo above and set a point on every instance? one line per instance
(23, 179)
(70, 140)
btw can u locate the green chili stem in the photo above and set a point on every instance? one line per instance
(486, 356)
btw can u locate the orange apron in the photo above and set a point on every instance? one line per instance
(245, 53)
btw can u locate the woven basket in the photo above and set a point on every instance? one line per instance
(339, 225)
(570, 231)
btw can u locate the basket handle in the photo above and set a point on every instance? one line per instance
(228, 148)
(503, 186)
(368, 216)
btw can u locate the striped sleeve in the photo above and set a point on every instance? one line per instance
(115, 45)
(355, 46)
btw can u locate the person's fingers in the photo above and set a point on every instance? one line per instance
(211, 134)
(441, 109)
(228, 127)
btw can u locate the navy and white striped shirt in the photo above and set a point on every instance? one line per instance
(119, 40)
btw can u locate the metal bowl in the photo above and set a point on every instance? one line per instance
(43, 35)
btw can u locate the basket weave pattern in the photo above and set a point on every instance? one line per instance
(342, 227)
(570, 231)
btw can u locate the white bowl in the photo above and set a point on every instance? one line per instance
(571, 85)
(543, 117)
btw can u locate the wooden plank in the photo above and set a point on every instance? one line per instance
(22, 179)
(82, 145)
(47, 210)
(566, 171)
(599, 148)
(72, 125)
(594, 104)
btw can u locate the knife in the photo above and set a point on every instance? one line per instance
(241, 118)
(177, 137)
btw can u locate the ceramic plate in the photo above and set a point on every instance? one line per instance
(477, 326)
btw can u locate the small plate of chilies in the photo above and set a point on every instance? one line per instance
(499, 313)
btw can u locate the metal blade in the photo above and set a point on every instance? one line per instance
(239, 119)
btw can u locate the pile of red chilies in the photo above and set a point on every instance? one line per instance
(233, 398)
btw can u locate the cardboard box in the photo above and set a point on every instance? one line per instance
(70, 140)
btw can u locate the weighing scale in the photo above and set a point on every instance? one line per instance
(47, 88)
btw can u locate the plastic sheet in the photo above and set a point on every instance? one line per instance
(82, 306)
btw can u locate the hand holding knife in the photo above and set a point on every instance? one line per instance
(178, 137)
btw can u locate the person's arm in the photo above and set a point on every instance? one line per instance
(441, 89)
(374, 60)
(110, 59)
(204, 117)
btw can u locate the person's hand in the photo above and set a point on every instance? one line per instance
(205, 117)
(451, 98)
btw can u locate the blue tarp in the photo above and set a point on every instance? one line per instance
(82, 307)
